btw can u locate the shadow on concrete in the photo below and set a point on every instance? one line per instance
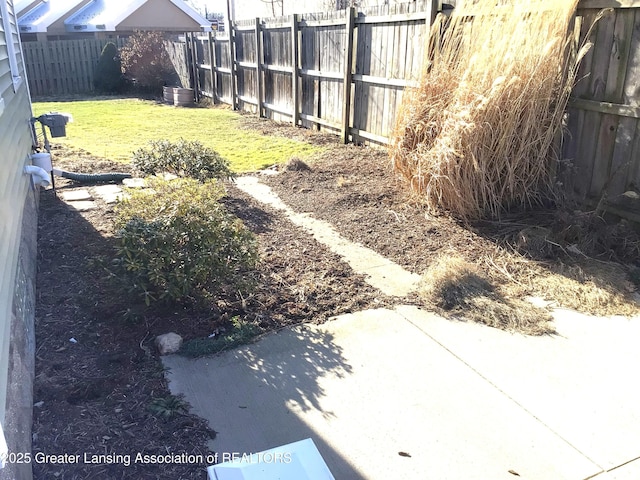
(307, 355)
(252, 396)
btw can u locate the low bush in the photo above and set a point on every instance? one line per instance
(183, 158)
(146, 63)
(177, 242)
(108, 76)
(238, 333)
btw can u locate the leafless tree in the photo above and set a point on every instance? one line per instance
(277, 6)
(340, 4)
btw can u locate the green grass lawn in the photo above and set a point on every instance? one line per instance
(114, 128)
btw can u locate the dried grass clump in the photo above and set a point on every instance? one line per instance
(460, 288)
(601, 289)
(597, 237)
(477, 136)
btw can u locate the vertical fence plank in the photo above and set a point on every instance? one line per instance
(348, 70)
(233, 38)
(432, 11)
(318, 82)
(295, 84)
(194, 59)
(634, 170)
(189, 56)
(258, 67)
(212, 65)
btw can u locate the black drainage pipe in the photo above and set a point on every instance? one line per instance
(92, 177)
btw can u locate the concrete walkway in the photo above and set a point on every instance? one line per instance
(463, 400)
(405, 394)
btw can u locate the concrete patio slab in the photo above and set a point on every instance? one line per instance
(381, 400)
(629, 471)
(581, 383)
(134, 182)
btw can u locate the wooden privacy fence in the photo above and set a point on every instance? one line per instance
(346, 73)
(62, 66)
(603, 141)
(336, 71)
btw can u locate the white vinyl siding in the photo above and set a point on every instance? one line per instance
(15, 147)
(5, 66)
(12, 43)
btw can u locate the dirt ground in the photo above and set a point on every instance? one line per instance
(94, 394)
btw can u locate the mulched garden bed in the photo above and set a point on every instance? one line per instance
(98, 374)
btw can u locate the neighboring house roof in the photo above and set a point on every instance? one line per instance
(58, 16)
(23, 6)
(167, 15)
(39, 18)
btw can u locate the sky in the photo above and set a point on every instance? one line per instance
(216, 6)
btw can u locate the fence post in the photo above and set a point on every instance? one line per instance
(212, 64)
(432, 11)
(232, 59)
(258, 67)
(294, 68)
(234, 71)
(194, 59)
(189, 57)
(348, 67)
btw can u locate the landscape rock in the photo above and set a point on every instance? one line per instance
(76, 195)
(134, 182)
(82, 205)
(168, 343)
(108, 193)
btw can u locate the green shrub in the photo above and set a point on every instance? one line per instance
(145, 61)
(177, 242)
(108, 74)
(169, 406)
(238, 333)
(184, 158)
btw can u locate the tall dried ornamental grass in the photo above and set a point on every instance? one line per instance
(477, 135)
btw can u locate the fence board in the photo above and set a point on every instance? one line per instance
(604, 150)
(632, 80)
(348, 75)
(634, 167)
(621, 155)
(622, 36)
(178, 55)
(603, 116)
(295, 72)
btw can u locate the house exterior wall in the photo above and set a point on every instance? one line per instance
(18, 201)
(58, 27)
(153, 15)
